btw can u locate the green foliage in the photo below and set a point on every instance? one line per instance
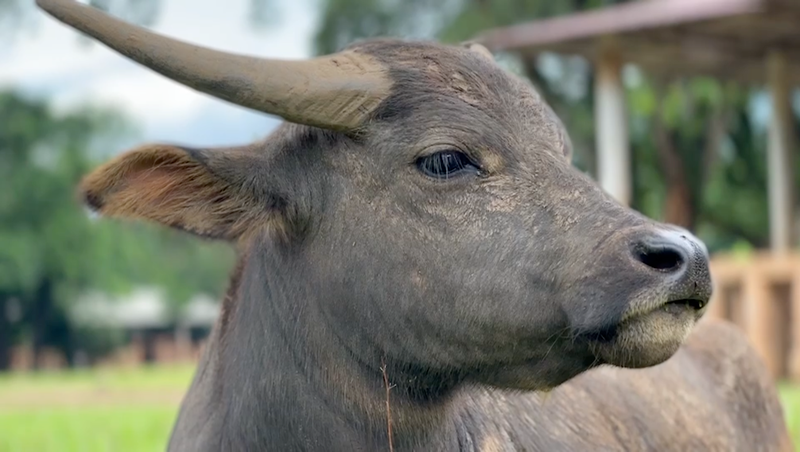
(97, 341)
(42, 225)
(52, 250)
(344, 21)
(790, 400)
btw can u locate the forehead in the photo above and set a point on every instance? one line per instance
(454, 88)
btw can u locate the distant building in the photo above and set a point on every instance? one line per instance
(154, 332)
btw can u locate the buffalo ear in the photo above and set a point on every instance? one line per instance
(175, 187)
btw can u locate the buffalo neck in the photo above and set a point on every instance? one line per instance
(285, 380)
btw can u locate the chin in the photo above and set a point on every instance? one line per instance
(539, 374)
(646, 340)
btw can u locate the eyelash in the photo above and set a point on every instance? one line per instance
(447, 164)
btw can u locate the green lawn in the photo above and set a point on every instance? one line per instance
(120, 410)
(127, 410)
(159, 377)
(86, 429)
(790, 395)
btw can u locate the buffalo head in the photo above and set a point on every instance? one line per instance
(424, 198)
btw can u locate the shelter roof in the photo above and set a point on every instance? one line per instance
(723, 38)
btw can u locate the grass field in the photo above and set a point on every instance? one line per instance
(790, 396)
(126, 410)
(117, 410)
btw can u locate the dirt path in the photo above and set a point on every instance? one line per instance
(86, 398)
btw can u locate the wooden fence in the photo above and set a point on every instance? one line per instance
(158, 348)
(760, 293)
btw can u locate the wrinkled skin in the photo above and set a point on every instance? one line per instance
(520, 275)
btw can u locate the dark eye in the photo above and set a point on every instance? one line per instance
(446, 164)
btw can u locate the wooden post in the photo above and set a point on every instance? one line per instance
(612, 141)
(720, 279)
(779, 161)
(758, 317)
(716, 306)
(794, 347)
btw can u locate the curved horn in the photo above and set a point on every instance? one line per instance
(335, 92)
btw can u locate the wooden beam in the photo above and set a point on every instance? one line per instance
(730, 46)
(615, 20)
(700, 54)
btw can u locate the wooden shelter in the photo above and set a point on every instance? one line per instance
(749, 41)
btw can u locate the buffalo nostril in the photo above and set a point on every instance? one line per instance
(664, 257)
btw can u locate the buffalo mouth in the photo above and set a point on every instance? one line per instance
(684, 303)
(648, 334)
(677, 307)
(693, 306)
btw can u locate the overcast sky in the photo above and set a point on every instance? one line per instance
(51, 60)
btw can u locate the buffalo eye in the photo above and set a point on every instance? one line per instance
(447, 164)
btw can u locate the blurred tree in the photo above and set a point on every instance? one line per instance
(51, 250)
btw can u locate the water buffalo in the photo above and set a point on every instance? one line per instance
(422, 269)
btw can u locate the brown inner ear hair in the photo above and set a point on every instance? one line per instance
(166, 184)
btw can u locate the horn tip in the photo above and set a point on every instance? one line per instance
(46, 4)
(54, 7)
(49, 5)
